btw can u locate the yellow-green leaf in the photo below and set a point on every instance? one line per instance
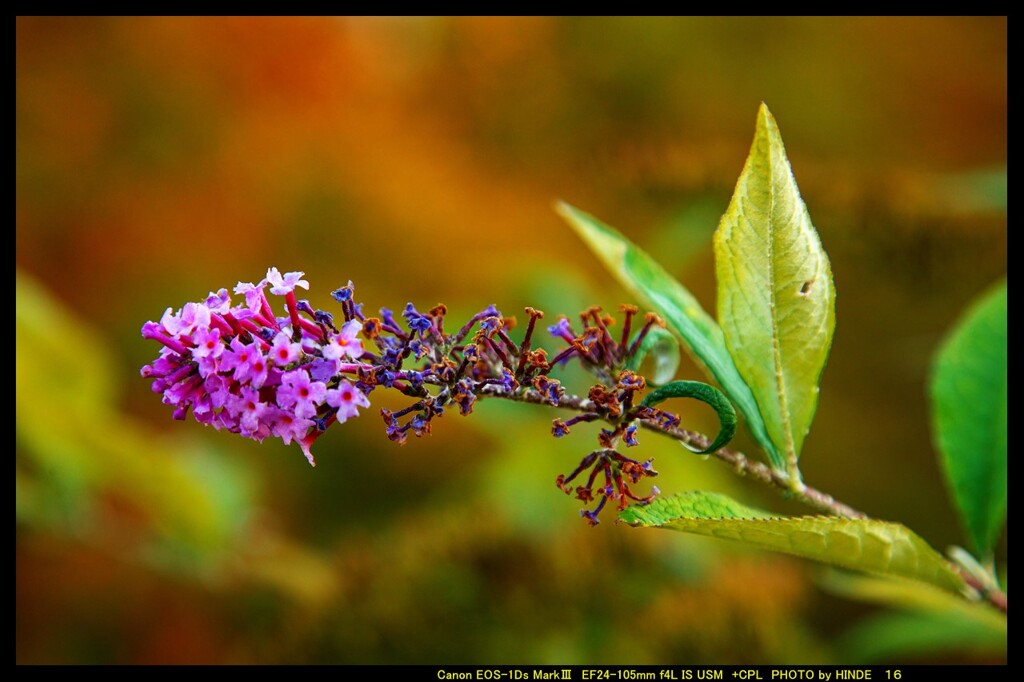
(926, 620)
(776, 301)
(969, 407)
(911, 595)
(858, 544)
(642, 276)
(903, 636)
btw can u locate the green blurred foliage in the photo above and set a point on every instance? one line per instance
(925, 623)
(969, 390)
(157, 159)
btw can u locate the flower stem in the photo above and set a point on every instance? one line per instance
(739, 462)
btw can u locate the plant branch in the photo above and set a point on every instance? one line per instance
(739, 462)
(993, 595)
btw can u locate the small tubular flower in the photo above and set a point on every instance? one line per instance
(235, 369)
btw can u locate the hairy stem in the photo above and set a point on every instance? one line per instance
(739, 462)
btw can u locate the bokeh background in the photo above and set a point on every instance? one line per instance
(157, 159)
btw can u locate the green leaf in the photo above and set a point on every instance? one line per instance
(706, 394)
(661, 345)
(899, 636)
(911, 595)
(969, 414)
(859, 544)
(643, 277)
(776, 301)
(933, 620)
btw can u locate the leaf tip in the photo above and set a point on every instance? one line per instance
(765, 121)
(564, 209)
(575, 218)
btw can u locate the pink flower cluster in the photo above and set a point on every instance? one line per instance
(243, 369)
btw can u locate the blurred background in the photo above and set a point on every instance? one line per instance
(158, 159)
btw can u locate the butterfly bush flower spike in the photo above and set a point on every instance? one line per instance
(268, 365)
(236, 369)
